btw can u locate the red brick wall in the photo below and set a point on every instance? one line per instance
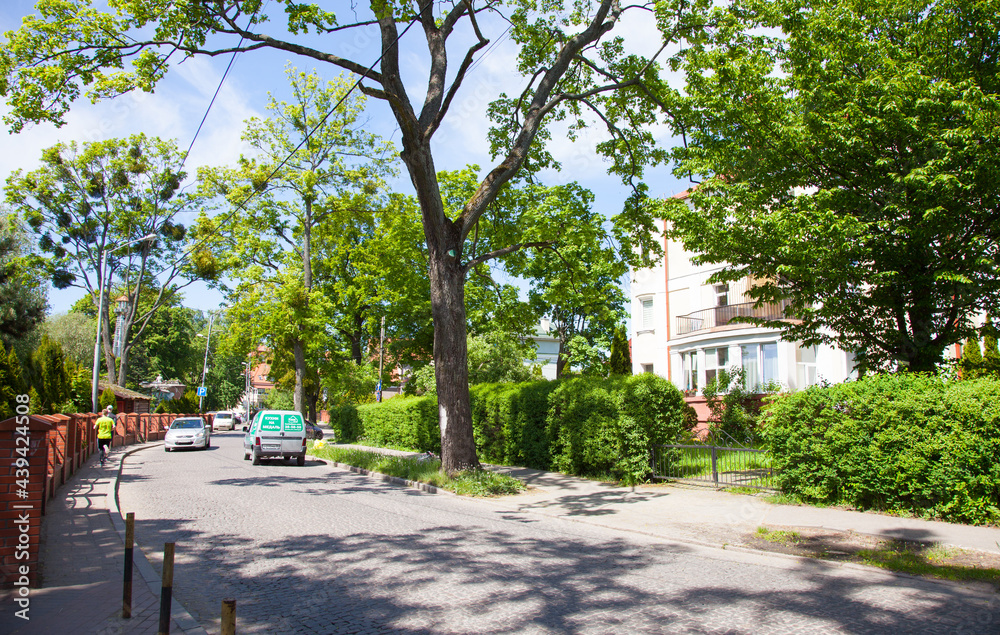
(13, 508)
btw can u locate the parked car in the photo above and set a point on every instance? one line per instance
(276, 434)
(313, 431)
(223, 421)
(187, 432)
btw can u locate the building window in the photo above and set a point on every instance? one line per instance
(760, 365)
(722, 295)
(647, 368)
(716, 359)
(689, 370)
(805, 366)
(647, 314)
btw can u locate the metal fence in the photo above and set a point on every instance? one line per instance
(718, 459)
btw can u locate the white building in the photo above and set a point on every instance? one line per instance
(682, 330)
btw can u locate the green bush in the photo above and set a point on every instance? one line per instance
(508, 421)
(345, 423)
(407, 422)
(907, 443)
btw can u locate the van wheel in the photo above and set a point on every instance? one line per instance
(301, 460)
(256, 459)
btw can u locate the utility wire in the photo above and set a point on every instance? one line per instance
(242, 204)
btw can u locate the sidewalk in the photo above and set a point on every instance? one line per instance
(82, 565)
(706, 516)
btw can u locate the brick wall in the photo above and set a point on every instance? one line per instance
(58, 446)
(15, 533)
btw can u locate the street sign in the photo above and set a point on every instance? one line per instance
(202, 391)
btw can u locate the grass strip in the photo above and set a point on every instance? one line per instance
(465, 483)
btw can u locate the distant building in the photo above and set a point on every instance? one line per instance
(546, 350)
(126, 400)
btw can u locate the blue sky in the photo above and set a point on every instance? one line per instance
(180, 101)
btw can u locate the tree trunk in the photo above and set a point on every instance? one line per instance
(106, 344)
(300, 375)
(458, 446)
(560, 359)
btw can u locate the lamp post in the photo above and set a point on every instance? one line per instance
(100, 313)
(204, 366)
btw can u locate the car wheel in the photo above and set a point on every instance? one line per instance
(166, 449)
(256, 459)
(301, 460)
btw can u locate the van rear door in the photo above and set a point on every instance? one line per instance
(292, 431)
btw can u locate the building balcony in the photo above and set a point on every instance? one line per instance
(717, 316)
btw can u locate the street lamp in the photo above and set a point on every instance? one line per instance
(100, 313)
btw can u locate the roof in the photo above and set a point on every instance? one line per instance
(122, 392)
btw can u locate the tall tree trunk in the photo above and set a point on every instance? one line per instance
(300, 356)
(300, 375)
(458, 446)
(106, 344)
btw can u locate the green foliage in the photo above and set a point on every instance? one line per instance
(843, 150)
(9, 386)
(508, 421)
(15, 376)
(607, 426)
(22, 283)
(621, 361)
(735, 409)
(910, 443)
(423, 470)
(50, 376)
(991, 353)
(74, 331)
(80, 390)
(972, 359)
(277, 399)
(345, 422)
(35, 402)
(494, 357)
(410, 422)
(107, 398)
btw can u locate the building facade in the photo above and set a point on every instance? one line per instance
(683, 329)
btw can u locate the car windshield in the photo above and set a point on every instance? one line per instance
(186, 423)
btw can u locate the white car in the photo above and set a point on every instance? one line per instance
(187, 432)
(223, 421)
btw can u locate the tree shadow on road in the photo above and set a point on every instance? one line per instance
(448, 578)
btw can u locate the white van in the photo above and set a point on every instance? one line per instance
(276, 434)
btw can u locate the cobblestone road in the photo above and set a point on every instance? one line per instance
(317, 549)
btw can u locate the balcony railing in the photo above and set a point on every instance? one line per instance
(723, 315)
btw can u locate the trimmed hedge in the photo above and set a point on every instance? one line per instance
(912, 444)
(578, 426)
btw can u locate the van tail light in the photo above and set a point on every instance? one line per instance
(303, 442)
(256, 441)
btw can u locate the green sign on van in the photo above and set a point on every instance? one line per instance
(293, 423)
(270, 423)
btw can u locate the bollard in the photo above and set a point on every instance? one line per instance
(228, 617)
(166, 589)
(127, 584)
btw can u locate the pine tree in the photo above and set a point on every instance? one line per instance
(54, 383)
(972, 360)
(991, 354)
(7, 391)
(16, 377)
(80, 390)
(621, 362)
(34, 402)
(106, 399)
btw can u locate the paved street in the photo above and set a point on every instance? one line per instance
(317, 549)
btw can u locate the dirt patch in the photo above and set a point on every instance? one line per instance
(917, 558)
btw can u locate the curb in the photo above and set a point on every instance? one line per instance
(178, 613)
(395, 480)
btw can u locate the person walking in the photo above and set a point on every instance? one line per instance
(105, 426)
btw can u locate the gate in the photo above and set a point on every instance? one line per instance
(718, 459)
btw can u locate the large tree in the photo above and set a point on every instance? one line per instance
(572, 59)
(849, 156)
(86, 203)
(22, 284)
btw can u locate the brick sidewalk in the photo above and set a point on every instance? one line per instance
(82, 566)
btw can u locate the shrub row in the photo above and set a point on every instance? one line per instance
(906, 443)
(578, 426)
